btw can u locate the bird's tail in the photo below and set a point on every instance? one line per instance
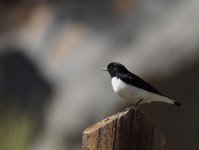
(171, 101)
(177, 104)
(167, 100)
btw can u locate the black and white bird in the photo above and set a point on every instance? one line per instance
(134, 89)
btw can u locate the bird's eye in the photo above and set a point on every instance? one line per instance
(111, 68)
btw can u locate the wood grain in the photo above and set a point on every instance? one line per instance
(128, 130)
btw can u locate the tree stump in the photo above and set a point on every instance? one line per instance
(128, 130)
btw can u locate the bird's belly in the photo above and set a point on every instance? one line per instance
(130, 93)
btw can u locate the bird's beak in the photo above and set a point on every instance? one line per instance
(104, 69)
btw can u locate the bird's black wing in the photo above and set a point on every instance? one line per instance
(132, 79)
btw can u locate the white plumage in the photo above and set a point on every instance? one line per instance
(133, 94)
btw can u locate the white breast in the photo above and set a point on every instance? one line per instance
(126, 91)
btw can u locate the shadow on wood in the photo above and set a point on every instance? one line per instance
(129, 130)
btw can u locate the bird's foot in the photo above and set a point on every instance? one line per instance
(127, 109)
(132, 107)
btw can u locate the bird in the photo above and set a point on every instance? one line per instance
(134, 89)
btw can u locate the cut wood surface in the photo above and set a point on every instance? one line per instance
(128, 130)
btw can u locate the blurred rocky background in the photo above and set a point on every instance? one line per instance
(52, 52)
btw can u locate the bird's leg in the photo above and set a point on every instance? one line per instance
(136, 104)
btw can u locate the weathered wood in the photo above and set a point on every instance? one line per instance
(129, 130)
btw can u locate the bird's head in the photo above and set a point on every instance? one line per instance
(115, 68)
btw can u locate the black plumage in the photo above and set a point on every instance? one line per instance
(133, 79)
(119, 71)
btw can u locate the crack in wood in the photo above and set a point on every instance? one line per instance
(124, 131)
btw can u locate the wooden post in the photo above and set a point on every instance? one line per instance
(129, 130)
